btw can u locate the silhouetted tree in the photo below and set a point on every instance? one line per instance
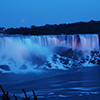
(74, 28)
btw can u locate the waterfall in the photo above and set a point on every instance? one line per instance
(70, 41)
(83, 42)
(19, 51)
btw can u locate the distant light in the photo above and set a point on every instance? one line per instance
(3, 29)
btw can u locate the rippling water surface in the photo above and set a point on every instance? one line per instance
(72, 84)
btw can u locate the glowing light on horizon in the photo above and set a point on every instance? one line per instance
(3, 29)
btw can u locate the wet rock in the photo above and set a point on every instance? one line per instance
(80, 53)
(63, 51)
(11, 60)
(68, 53)
(59, 50)
(83, 60)
(61, 60)
(23, 67)
(66, 61)
(95, 53)
(98, 62)
(48, 64)
(54, 58)
(5, 67)
(87, 58)
(74, 65)
(65, 66)
(92, 61)
(36, 60)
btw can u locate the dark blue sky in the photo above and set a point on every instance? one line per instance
(17, 13)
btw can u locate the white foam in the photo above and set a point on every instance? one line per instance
(34, 51)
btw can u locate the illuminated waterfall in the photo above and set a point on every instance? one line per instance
(24, 51)
(26, 43)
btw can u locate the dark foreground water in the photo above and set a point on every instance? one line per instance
(72, 84)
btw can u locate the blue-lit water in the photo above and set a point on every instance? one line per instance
(72, 84)
(25, 53)
(55, 67)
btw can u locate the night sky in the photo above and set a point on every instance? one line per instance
(18, 13)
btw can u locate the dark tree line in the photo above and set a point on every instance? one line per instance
(74, 28)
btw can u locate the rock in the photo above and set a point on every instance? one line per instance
(48, 64)
(83, 60)
(92, 61)
(59, 50)
(61, 60)
(80, 53)
(5, 67)
(95, 53)
(98, 62)
(54, 58)
(11, 60)
(38, 60)
(23, 67)
(65, 66)
(68, 53)
(75, 65)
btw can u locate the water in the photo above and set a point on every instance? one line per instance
(57, 67)
(29, 52)
(73, 84)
